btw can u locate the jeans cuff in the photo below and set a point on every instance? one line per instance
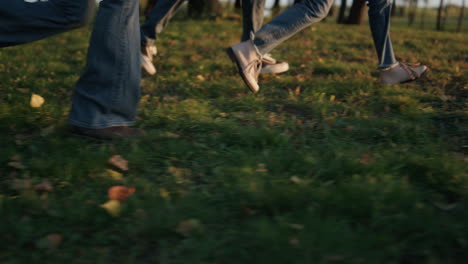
(385, 67)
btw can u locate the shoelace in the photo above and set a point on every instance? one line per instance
(412, 73)
(256, 65)
(267, 59)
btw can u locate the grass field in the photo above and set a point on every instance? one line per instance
(324, 165)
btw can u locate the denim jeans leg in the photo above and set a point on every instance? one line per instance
(158, 18)
(291, 21)
(252, 17)
(379, 21)
(23, 22)
(108, 91)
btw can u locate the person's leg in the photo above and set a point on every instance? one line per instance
(248, 55)
(158, 18)
(108, 91)
(23, 22)
(379, 21)
(392, 71)
(252, 17)
(291, 21)
(253, 12)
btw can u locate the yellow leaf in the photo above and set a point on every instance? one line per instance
(296, 180)
(112, 174)
(112, 207)
(36, 100)
(164, 193)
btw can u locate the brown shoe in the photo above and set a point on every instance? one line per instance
(108, 133)
(402, 73)
(248, 61)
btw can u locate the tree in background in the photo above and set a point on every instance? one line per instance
(460, 17)
(342, 12)
(201, 8)
(423, 12)
(412, 8)
(357, 12)
(439, 15)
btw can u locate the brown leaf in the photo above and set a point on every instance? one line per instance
(120, 193)
(44, 186)
(51, 241)
(119, 162)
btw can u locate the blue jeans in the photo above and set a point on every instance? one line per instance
(158, 18)
(108, 91)
(307, 12)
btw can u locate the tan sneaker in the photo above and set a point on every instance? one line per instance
(108, 133)
(271, 65)
(147, 53)
(248, 61)
(402, 73)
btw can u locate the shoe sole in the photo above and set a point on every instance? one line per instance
(233, 58)
(423, 74)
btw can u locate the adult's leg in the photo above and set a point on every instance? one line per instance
(391, 71)
(252, 17)
(158, 18)
(249, 55)
(22, 22)
(289, 22)
(379, 21)
(107, 93)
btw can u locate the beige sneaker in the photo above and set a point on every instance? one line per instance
(248, 61)
(402, 73)
(271, 65)
(147, 53)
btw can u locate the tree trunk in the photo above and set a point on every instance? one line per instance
(196, 8)
(276, 5)
(357, 12)
(341, 14)
(413, 6)
(460, 17)
(439, 15)
(237, 4)
(204, 8)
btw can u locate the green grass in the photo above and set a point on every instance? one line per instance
(324, 165)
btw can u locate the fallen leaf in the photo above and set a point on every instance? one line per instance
(200, 77)
(120, 193)
(164, 193)
(294, 242)
(112, 174)
(296, 180)
(445, 206)
(112, 207)
(187, 227)
(119, 162)
(296, 226)
(17, 165)
(44, 186)
(36, 100)
(51, 241)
